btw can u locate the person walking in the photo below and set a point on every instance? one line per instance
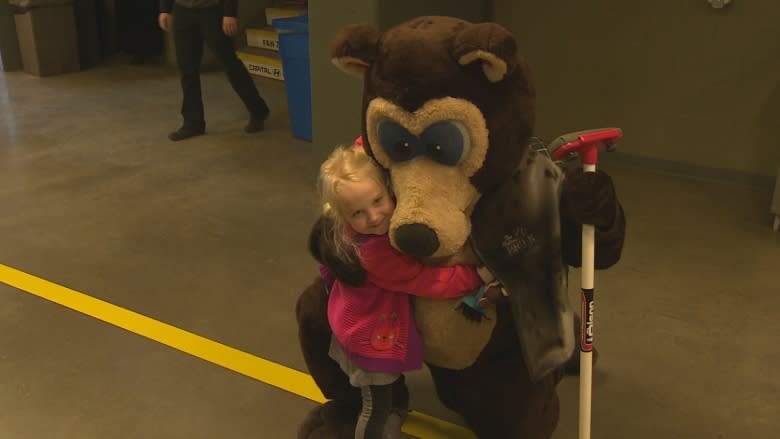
(214, 22)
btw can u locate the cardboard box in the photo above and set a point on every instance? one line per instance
(266, 38)
(47, 40)
(262, 63)
(272, 13)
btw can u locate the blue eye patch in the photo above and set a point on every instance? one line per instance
(442, 142)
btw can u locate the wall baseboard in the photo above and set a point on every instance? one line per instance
(688, 170)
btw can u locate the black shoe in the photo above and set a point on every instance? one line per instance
(256, 123)
(185, 132)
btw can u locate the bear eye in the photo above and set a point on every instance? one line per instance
(403, 148)
(399, 144)
(446, 142)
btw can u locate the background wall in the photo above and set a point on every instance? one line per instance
(689, 84)
(392, 12)
(336, 97)
(695, 89)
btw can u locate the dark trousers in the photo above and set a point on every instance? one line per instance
(139, 33)
(191, 28)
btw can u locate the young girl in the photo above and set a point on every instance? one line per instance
(374, 336)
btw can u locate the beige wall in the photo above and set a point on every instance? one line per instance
(686, 82)
(252, 12)
(393, 12)
(336, 97)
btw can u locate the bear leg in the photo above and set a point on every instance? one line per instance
(331, 420)
(495, 395)
(498, 401)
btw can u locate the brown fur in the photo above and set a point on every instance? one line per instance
(408, 71)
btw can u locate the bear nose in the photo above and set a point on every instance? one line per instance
(416, 240)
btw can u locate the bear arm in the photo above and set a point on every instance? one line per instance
(609, 241)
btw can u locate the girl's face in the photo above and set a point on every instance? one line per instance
(366, 205)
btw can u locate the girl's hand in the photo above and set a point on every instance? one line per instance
(494, 294)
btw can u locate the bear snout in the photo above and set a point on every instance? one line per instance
(416, 240)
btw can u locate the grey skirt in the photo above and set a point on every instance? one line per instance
(359, 377)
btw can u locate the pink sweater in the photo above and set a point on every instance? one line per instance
(373, 323)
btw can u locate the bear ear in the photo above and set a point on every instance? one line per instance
(354, 48)
(489, 43)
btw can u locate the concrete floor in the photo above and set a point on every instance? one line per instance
(209, 235)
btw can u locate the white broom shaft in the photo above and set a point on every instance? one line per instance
(586, 358)
(588, 255)
(586, 371)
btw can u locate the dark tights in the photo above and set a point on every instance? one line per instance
(377, 419)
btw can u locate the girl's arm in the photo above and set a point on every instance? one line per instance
(391, 270)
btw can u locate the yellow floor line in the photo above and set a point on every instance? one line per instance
(417, 424)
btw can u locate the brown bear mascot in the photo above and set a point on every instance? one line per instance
(448, 111)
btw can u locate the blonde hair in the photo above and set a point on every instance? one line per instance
(345, 164)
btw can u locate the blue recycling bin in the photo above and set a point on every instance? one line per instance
(294, 50)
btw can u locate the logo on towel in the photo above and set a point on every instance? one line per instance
(519, 241)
